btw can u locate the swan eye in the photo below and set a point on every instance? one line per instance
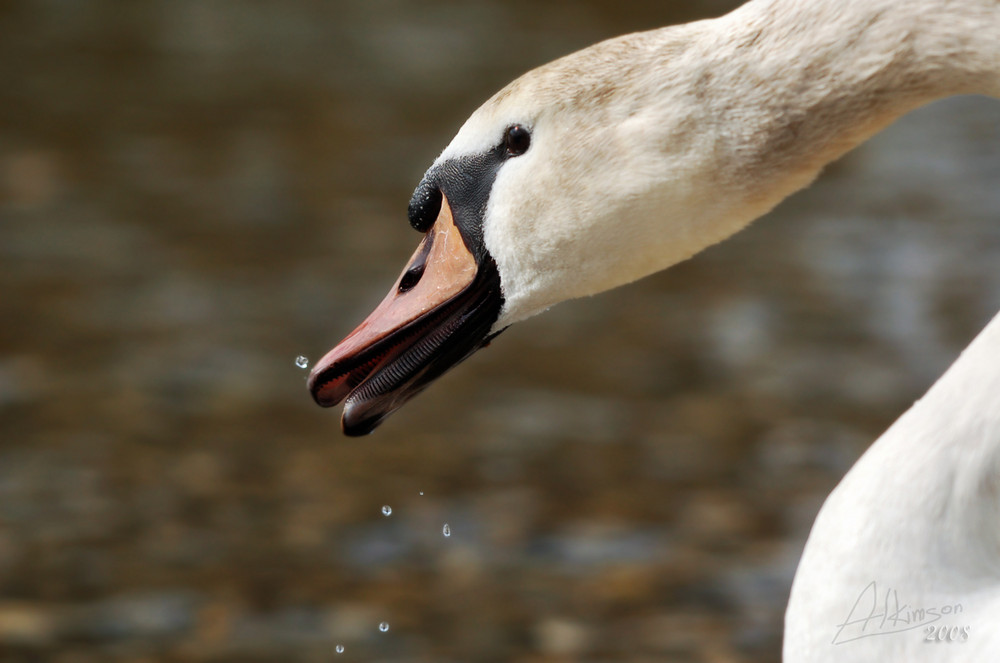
(517, 140)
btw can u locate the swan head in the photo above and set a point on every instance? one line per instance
(580, 176)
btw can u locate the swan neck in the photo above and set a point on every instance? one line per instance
(822, 77)
(656, 145)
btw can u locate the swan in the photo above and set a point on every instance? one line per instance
(634, 154)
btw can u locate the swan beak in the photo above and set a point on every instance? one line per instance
(438, 312)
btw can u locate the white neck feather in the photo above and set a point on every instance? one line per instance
(918, 518)
(648, 148)
(808, 81)
(658, 144)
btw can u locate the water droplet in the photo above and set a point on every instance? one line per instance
(386, 510)
(383, 626)
(301, 362)
(446, 530)
(339, 649)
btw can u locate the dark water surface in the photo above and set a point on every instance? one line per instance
(192, 194)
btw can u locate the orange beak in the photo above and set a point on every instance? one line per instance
(439, 311)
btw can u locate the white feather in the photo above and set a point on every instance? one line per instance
(650, 147)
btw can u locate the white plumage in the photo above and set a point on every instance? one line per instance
(650, 147)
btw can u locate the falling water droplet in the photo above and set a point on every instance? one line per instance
(339, 649)
(302, 362)
(383, 626)
(386, 510)
(446, 530)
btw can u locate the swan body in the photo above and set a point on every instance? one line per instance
(909, 541)
(636, 153)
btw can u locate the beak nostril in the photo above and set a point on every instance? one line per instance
(411, 278)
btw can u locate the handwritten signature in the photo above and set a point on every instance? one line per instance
(878, 612)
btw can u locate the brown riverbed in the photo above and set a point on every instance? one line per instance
(192, 194)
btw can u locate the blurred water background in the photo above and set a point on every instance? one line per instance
(192, 194)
